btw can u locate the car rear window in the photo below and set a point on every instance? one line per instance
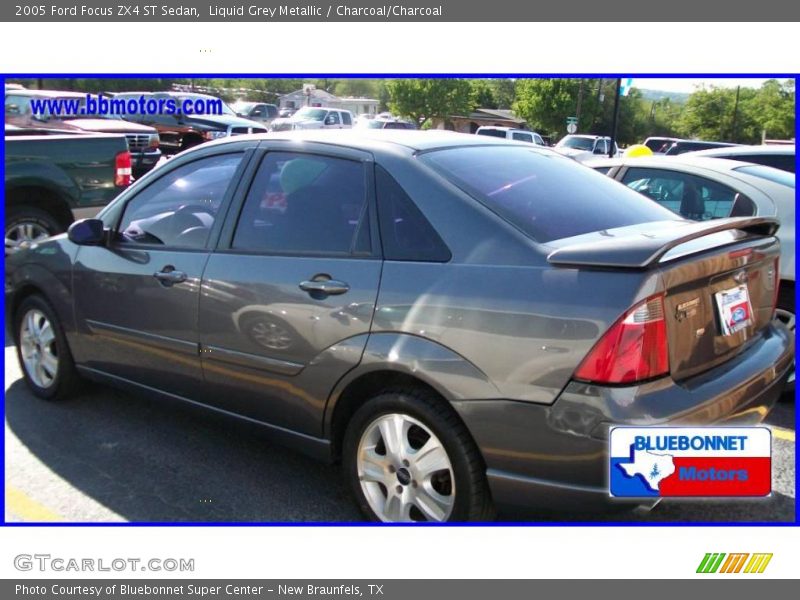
(492, 132)
(545, 195)
(768, 173)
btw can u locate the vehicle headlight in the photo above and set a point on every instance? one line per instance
(215, 135)
(154, 141)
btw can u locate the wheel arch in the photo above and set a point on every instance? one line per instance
(401, 360)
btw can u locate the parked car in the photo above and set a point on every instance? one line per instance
(50, 180)
(780, 157)
(509, 133)
(256, 111)
(286, 112)
(585, 147)
(702, 188)
(180, 132)
(311, 117)
(682, 146)
(459, 333)
(143, 141)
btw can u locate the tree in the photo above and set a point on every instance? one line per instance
(483, 94)
(546, 103)
(426, 99)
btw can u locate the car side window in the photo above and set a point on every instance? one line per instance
(522, 137)
(258, 111)
(405, 232)
(600, 147)
(688, 195)
(305, 204)
(179, 209)
(346, 118)
(17, 105)
(332, 118)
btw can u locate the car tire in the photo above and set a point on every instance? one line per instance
(786, 314)
(432, 471)
(41, 341)
(25, 224)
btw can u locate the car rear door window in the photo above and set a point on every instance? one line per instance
(522, 137)
(689, 195)
(405, 232)
(305, 204)
(546, 195)
(346, 118)
(180, 208)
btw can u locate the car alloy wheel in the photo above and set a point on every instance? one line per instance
(404, 471)
(38, 348)
(22, 235)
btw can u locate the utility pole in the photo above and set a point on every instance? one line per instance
(613, 143)
(734, 134)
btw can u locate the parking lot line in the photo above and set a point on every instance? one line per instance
(28, 509)
(783, 434)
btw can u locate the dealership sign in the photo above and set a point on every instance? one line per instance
(690, 461)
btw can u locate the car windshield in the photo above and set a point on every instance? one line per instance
(310, 114)
(545, 195)
(578, 143)
(769, 173)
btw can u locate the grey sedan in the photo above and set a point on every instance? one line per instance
(458, 320)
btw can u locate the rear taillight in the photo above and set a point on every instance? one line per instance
(122, 169)
(633, 349)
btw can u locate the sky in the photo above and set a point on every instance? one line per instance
(689, 85)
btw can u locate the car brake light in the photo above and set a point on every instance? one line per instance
(122, 166)
(634, 348)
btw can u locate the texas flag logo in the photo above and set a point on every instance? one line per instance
(690, 461)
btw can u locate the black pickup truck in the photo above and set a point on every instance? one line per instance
(52, 180)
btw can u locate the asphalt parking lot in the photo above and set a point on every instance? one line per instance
(112, 456)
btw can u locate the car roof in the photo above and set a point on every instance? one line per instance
(373, 139)
(784, 150)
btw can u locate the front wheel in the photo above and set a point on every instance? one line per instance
(409, 458)
(42, 350)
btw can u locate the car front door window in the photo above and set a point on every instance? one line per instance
(179, 210)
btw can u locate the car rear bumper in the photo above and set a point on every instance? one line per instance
(556, 456)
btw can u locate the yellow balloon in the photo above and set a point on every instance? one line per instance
(637, 150)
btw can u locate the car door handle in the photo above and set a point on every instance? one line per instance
(169, 276)
(328, 287)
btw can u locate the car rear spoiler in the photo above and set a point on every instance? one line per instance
(640, 251)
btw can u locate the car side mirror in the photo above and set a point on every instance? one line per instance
(87, 232)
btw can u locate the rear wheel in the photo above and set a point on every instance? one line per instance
(26, 225)
(42, 350)
(408, 458)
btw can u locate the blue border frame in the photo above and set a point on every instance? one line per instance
(306, 75)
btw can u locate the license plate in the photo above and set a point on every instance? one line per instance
(735, 312)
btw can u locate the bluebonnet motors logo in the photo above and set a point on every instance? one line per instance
(690, 461)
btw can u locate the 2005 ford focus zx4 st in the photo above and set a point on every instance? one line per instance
(458, 320)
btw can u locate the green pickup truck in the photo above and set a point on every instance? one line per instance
(52, 180)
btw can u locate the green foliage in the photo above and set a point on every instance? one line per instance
(546, 103)
(426, 99)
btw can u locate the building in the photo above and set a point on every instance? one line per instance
(496, 117)
(312, 96)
